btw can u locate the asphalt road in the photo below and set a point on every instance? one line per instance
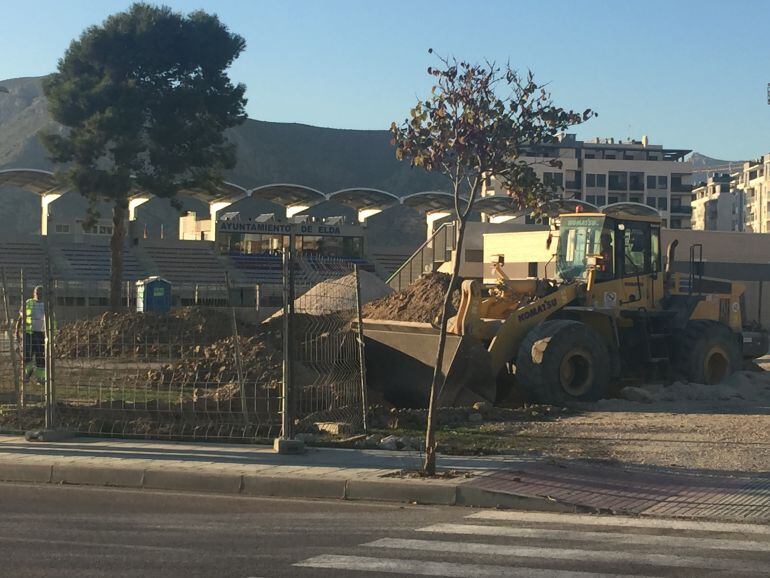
(77, 531)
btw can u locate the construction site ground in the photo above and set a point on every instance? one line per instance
(707, 428)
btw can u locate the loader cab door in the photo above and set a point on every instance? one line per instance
(638, 255)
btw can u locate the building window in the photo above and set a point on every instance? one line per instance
(651, 180)
(601, 181)
(651, 202)
(553, 179)
(635, 199)
(532, 269)
(601, 200)
(612, 199)
(589, 156)
(590, 180)
(636, 181)
(591, 199)
(663, 203)
(618, 181)
(663, 182)
(62, 228)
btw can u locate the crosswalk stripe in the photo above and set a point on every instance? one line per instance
(573, 555)
(451, 569)
(605, 537)
(619, 521)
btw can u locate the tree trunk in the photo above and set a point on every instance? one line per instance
(119, 212)
(429, 466)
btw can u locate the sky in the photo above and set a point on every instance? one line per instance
(689, 74)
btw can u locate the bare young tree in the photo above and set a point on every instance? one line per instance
(476, 124)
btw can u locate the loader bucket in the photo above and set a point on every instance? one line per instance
(401, 356)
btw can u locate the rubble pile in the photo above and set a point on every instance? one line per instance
(214, 366)
(339, 294)
(421, 301)
(130, 333)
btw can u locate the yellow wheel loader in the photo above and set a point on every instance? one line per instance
(613, 312)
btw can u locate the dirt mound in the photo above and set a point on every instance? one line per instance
(214, 366)
(132, 333)
(335, 295)
(421, 301)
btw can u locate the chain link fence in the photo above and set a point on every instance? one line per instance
(198, 372)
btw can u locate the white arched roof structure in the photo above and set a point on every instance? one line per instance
(294, 198)
(33, 180)
(366, 202)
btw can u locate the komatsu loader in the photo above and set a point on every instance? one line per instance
(612, 311)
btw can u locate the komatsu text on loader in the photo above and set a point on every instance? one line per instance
(614, 311)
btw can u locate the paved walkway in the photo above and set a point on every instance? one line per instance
(497, 481)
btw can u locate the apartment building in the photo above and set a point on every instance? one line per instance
(606, 171)
(752, 186)
(716, 206)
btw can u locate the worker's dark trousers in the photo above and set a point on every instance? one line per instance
(34, 349)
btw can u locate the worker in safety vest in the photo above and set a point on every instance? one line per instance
(32, 320)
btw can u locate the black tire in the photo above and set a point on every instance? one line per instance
(707, 352)
(562, 362)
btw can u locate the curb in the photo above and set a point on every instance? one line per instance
(441, 493)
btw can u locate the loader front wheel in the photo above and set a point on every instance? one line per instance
(563, 361)
(708, 352)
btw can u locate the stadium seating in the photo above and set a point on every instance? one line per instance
(259, 268)
(16, 256)
(93, 262)
(193, 262)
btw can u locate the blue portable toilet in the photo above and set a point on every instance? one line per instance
(153, 294)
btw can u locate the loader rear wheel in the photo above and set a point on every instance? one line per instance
(563, 361)
(707, 352)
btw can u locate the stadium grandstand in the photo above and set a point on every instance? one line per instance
(232, 235)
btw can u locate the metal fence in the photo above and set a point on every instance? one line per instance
(200, 372)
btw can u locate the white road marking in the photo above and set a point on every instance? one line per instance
(604, 537)
(623, 522)
(572, 555)
(450, 569)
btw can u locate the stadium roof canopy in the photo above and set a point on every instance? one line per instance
(430, 201)
(497, 206)
(294, 198)
(224, 191)
(32, 180)
(363, 198)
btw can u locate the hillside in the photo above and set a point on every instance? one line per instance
(701, 165)
(323, 158)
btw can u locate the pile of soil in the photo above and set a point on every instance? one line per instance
(214, 366)
(421, 301)
(339, 294)
(132, 333)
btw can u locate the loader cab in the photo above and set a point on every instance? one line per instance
(619, 243)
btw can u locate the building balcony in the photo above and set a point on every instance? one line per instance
(681, 188)
(681, 210)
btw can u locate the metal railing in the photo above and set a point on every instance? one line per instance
(427, 258)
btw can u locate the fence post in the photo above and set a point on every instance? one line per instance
(10, 322)
(288, 348)
(361, 362)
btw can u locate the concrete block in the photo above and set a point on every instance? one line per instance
(401, 491)
(331, 488)
(287, 446)
(334, 428)
(192, 481)
(96, 476)
(21, 472)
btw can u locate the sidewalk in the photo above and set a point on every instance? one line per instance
(496, 481)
